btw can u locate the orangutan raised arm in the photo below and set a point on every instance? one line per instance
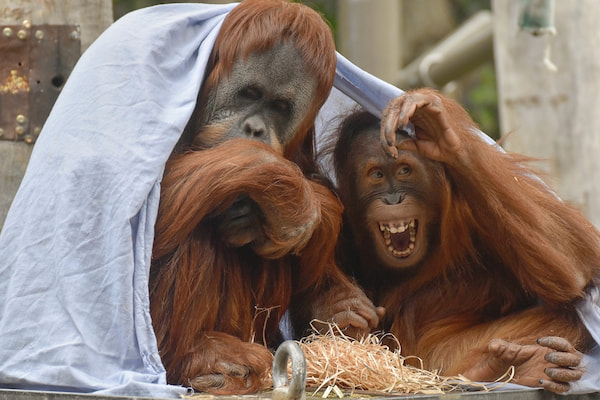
(476, 261)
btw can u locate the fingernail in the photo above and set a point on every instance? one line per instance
(541, 381)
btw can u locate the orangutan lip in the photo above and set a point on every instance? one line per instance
(400, 237)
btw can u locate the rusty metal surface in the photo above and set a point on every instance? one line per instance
(35, 62)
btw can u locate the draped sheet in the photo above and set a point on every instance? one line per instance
(76, 244)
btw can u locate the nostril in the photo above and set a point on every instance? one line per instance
(258, 133)
(254, 127)
(392, 198)
(248, 129)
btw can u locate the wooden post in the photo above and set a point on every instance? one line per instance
(93, 17)
(369, 35)
(548, 113)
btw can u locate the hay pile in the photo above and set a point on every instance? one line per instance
(334, 360)
(340, 366)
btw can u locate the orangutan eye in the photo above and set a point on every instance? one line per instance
(376, 173)
(251, 93)
(404, 170)
(281, 106)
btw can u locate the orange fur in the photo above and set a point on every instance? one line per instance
(207, 299)
(200, 286)
(511, 260)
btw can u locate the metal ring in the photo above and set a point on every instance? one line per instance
(285, 389)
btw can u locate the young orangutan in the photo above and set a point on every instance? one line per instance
(478, 264)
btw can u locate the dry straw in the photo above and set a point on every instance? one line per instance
(344, 366)
(370, 367)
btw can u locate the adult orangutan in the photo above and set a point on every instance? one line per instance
(242, 234)
(478, 264)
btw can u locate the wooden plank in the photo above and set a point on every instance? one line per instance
(13, 161)
(553, 114)
(93, 17)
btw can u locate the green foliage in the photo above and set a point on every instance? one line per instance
(463, 9)
(481, 99)
(327, 9)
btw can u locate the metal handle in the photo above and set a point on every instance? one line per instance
(294, 388)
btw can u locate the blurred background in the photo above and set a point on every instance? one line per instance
(528, 71)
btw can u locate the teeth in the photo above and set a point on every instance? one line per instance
(396, 228)
(388, 229)
(392, 228)
(387, 237)
(402, 253)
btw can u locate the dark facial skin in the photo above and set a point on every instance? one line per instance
(394, 204)
(265, 98)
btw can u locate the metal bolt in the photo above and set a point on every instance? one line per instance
(39, 35)
(28, 139)
(22, 34)
(7, 32)
(1, 132)
(74, 35)
(21, 119)
(20, 130)
(37, 130)
(27, 23)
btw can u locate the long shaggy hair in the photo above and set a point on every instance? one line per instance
(200, 286)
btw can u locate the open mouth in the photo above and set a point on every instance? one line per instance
(400, 237)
